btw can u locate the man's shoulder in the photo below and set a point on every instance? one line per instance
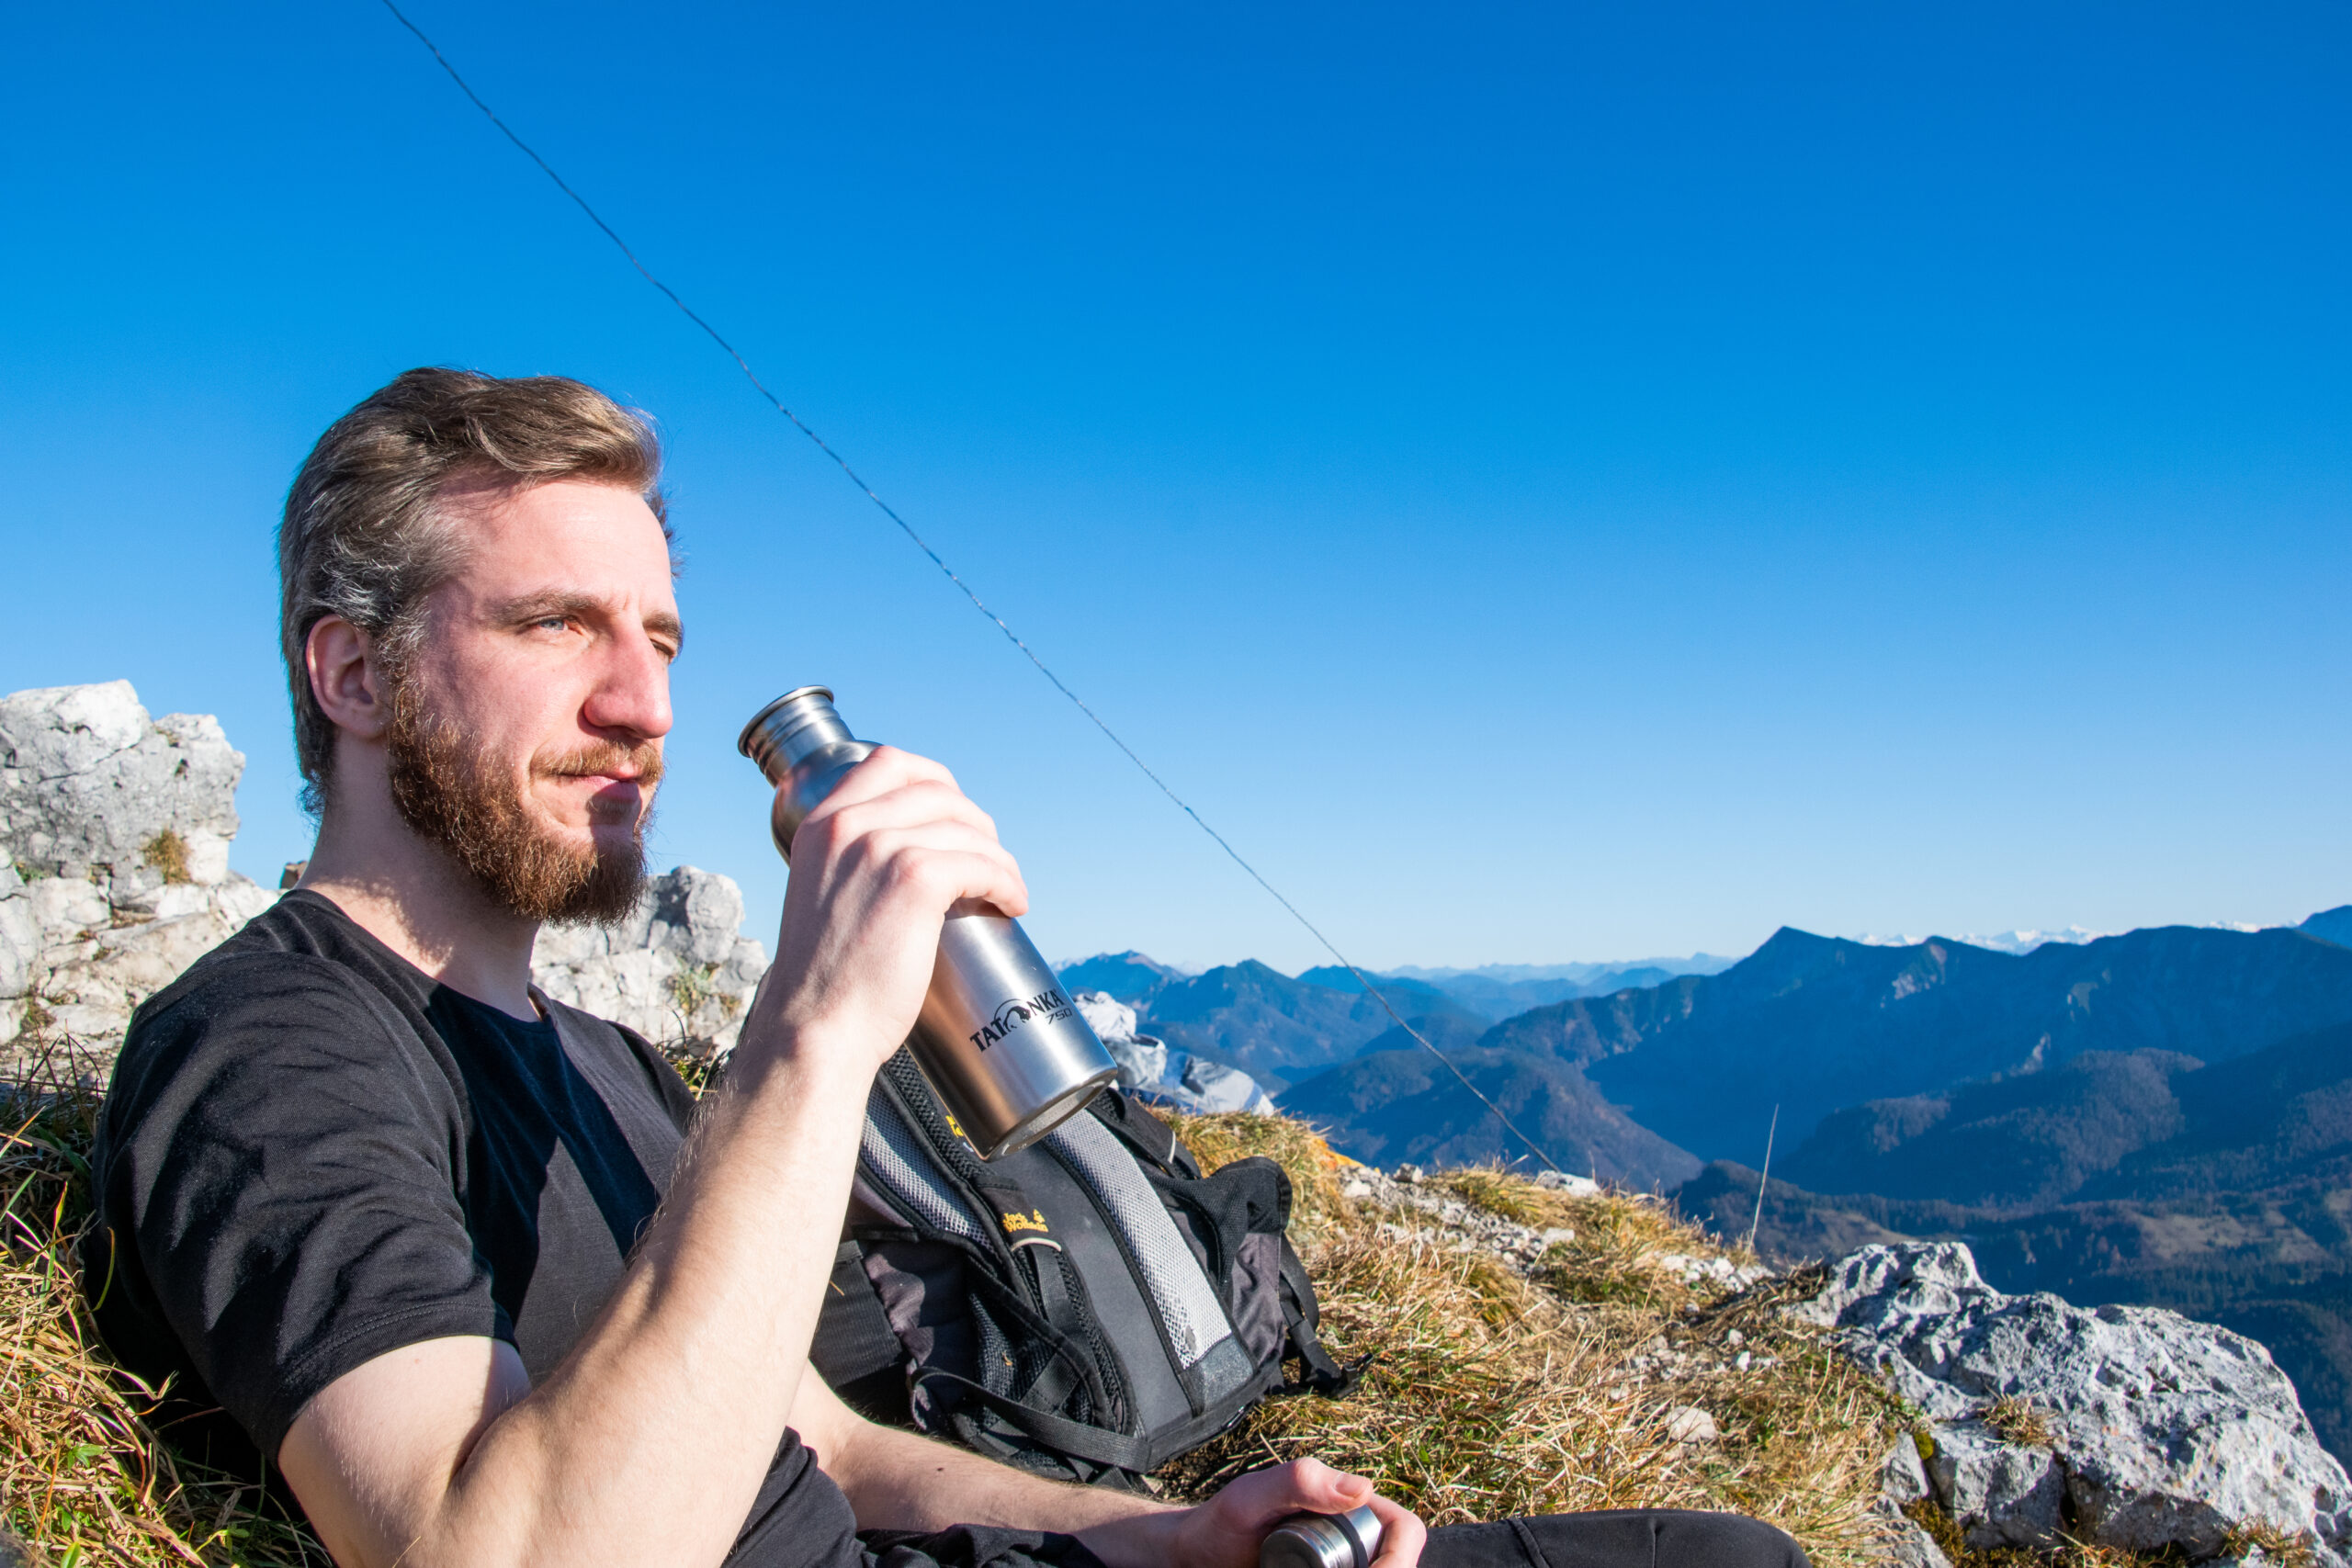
(297, 951)
(288, 992)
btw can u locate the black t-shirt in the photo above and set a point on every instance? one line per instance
(313, 1152)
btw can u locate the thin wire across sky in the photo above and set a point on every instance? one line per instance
(920, 542)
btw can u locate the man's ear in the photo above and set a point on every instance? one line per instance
(345, 680)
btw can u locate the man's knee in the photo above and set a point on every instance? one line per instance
(1629, 1538)
(1691, 1539)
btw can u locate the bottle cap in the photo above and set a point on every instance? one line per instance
(1323, 1541)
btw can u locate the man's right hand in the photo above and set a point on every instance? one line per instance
(876, 867)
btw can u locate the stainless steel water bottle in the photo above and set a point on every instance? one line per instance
(1323, 1541)
(1010, 1055)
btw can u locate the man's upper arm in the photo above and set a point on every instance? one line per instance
(283, 1168)
(372, 1455)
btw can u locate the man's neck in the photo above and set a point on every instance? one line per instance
(413, 898)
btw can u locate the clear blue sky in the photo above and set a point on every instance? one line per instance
(1547, 482)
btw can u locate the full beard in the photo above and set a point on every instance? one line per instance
(454, 792)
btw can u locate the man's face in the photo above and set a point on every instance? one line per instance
(526, 735)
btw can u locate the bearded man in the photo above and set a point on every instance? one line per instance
(468, 1265)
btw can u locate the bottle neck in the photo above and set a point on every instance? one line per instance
(792, 729)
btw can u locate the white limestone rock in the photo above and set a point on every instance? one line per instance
(1143, 1060)
(19, 939)
(1216, 1087)
(1907, 1546)
(115, 828)
(678, 970)
(2162, 1432)
(1147, 1066)
(1111, 1018)
(1690, 1425)
(87, 780)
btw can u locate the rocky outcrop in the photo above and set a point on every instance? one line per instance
(1178, 1078)
(1418, 1208)
(2130, 1427)
(678, 970)
(114, 876)
(116, 830)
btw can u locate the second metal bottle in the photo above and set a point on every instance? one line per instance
(1011, 1057)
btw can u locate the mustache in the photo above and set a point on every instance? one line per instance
(642, 760)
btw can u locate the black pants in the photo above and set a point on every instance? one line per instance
(1630, 1537)
(1626, 1537)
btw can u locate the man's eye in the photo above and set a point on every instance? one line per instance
(553, 622)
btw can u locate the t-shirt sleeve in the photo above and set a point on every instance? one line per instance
(287, 1170)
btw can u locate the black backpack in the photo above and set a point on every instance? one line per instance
(1088, 1308)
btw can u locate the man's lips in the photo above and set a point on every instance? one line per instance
(607, 798)
(611, 790)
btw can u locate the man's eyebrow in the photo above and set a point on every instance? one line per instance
(572, 604)
(543, 605)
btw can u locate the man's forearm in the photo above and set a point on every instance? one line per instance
(898, 1480)
(670, 1406)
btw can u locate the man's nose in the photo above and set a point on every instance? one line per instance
(632, 692)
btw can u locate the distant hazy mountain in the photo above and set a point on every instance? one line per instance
(1130, 976)
(1500, 990)
(2339, 920)
(2015, 942)
(2331, 925)
(1390, 1106)
(1816, 1023)
(1275, 1028)
(1496, 991)
(1408, 996)
(1583, 973)
(1448, 1032)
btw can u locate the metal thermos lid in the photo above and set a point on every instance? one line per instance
(1323, 1541)
(795, 724)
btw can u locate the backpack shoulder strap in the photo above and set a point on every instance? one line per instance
(1321, 1374)
(1153, 1141)
(855, 1348)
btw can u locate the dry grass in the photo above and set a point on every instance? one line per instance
(2015, 1421)
(83, 1478)
(167, 853)
(2264, 1539)
(1318, 1211)
(1498, 1191)
(1493, 1394)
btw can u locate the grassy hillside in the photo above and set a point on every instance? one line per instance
(1494, 1390)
